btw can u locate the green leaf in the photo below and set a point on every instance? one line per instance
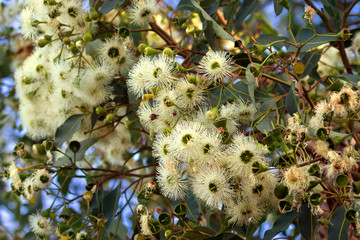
(198, 235)
(267, 123)
(305, 34)
(274, 139)
(185, 5)
(278, 8)
(109, 5)
(110, 205)
(247, 7)
(310, 59)
(225, 236)
(64, 181)
(68, 129)
(307, 221)
(338, 227)
(353, 79)
(281, 224)
(251, 83)
(291, 101)
(220, 32)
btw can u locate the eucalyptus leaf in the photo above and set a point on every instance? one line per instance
(68, 129)
(220, 32)
(281, 224)
(251, 83)
(291, 101)
(247, 7)
(338, 227)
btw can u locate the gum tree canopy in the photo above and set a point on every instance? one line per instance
(211, 119)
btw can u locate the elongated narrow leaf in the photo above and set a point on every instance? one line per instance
(338, 227)
(68, 129)
(307, 221)
(246, 8)
(185, 5)
(291, 101)
(278, 8)
(110, 4)
(251, 83)
(281, 224)
(310, 59)
(110, 205)
(220, 32)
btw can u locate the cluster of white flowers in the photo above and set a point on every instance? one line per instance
(216, 163)
(27, 184)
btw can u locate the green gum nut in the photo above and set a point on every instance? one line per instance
(281, 191)
(341, 180)
(259, 49)
(164, 219)
(66, 213)
(315, 199)
(49, 145)
(322, 134)
(285, 205)
(180, 210)
(38, 149)
(350, 215)
(155, 229)
(258, 168)
(124, 32)
(74, 146)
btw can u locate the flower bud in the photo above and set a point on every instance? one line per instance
(79, 44)
(48, 37)
(142, 47)
(88, 196)
(147, 97)
(38, 149)
(149, 51)
(87, 17)
(168, 52)
(191, 79)
(87, 37)
(212, 113)
(66, 40)
(100, 110)
(168, 233)
(110, 117)
(190, 30)
(93, 14)
(101, 223)
(43, 42)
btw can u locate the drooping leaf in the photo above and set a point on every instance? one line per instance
(278, 8)
(68, 129)
(246, 8)
(251, 83)
(307, 221)
(64, 180)
(111, 4)
(281, 224)
(338, 227)
(310, 59)
(185, 5)
(353, 79)
(110, 205)
(220, 32)
(267, 123)
(291, 101)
